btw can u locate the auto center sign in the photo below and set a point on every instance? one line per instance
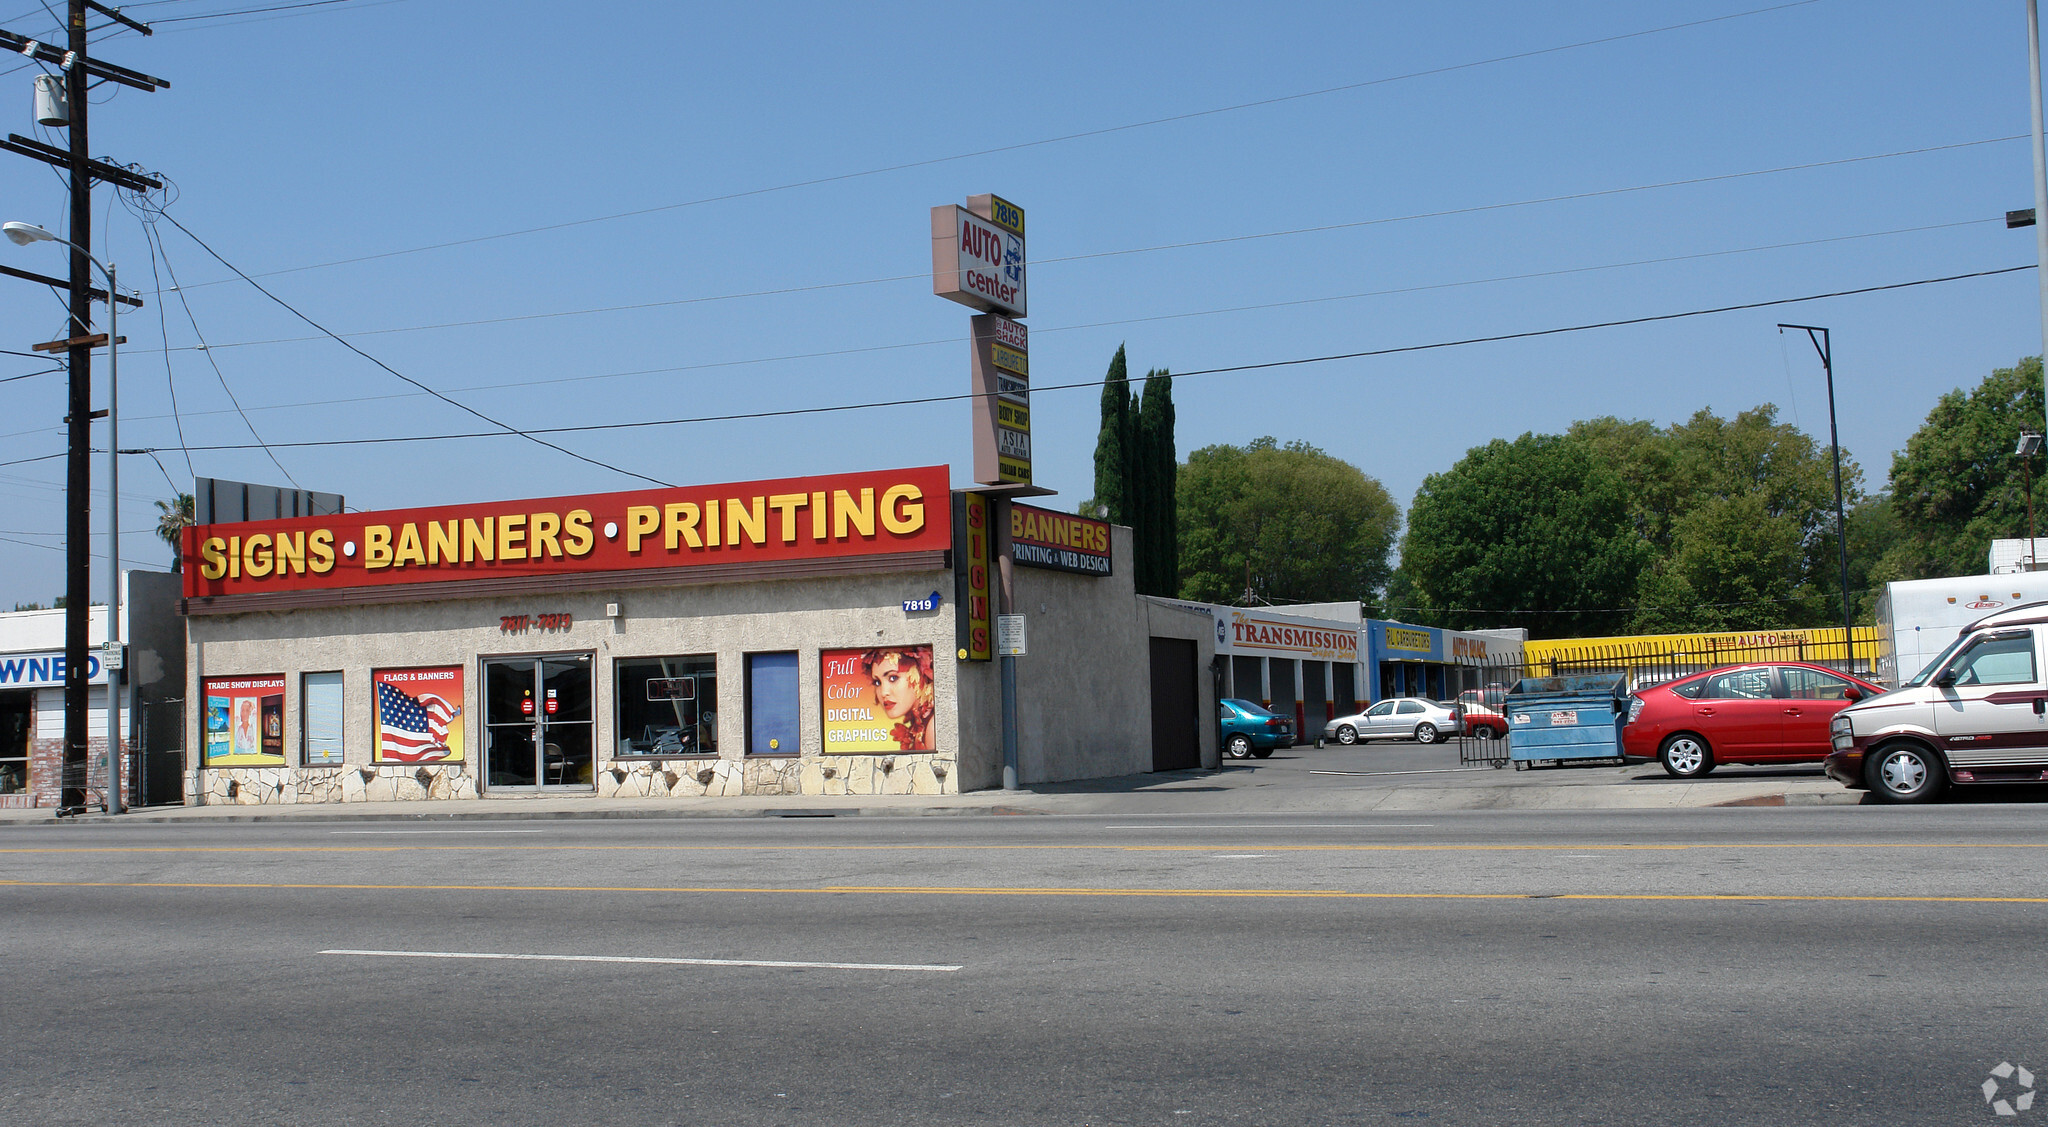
(979, 262)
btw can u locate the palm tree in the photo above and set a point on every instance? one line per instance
(172, 517)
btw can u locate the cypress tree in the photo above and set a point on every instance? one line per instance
(1161, 468)
(1112, 442)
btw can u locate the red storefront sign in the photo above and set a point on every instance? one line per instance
(790, 519)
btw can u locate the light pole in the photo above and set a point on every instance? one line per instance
(21, 235)
(2029, 445)
(1822, 345)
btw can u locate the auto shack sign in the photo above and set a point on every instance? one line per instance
(759, 526)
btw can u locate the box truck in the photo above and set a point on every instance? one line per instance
(1918, 618)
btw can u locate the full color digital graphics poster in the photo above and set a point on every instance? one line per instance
(419, 715)
(877, 701)
(245, 721)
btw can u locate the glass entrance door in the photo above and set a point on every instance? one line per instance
(537, 722)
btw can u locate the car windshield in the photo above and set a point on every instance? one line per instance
(1248, 708)
(1941, 659)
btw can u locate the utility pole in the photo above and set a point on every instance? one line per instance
(78, 479)
(79, 69)
(1823, 344)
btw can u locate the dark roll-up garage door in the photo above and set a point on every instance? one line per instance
(1314, 705)
(1176, 706)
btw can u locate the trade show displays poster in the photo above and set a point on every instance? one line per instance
(419, 715)
(878, 700)
(245, 721)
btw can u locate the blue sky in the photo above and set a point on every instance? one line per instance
(568, 160)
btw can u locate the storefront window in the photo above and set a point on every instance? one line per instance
(667, 705)
(16, 722)
(320, 714)
(772, 707)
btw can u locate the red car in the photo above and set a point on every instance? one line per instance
(1767, 713)
(1481, 709)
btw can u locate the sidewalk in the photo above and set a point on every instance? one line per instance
(1236, 789)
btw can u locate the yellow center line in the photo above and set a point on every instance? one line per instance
(1190, 893)
(1213, 847)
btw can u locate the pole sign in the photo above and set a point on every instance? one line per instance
(978, 254)
(1002, 400)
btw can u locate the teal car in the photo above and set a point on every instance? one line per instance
(1250, 730)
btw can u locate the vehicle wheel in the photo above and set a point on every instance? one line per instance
(1239, 747)
(1262, 753)
(1425, 733)
(1686, 756)
(1485, 732)
(1347, 735)
(1904, 772)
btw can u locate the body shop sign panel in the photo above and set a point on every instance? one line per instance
(245, 721)
(754, 522)
(877, 701)
(419, 715)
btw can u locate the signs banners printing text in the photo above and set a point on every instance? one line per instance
(788, 519)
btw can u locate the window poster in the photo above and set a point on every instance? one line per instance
(419, 715)
(245, 721)
(878, 700)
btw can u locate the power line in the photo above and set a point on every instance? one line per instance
(954, 341)
(1056, 140)
(1097, 384)
(157, 251)
(1108, 324)
(507, 427)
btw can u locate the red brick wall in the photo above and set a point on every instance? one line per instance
(46, 771)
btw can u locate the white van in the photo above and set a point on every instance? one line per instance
(1978, 713)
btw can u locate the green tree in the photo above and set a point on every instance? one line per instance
(1540, 526)
(1158, 471)
(1957, 485)
(1112, 444)
(1738, 514)
(172, 518)
(1274, 523)
(1135, 471)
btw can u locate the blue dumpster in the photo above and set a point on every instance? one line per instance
(1556, 719)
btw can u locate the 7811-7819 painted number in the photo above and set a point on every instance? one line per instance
(524, 623)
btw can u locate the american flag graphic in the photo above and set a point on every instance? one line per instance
(412, 729)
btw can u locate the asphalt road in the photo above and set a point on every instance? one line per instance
(1837, 965)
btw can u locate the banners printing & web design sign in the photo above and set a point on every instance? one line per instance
(788, 519)
(1061, 541)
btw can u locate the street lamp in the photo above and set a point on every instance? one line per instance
(1823, 345)
(2029, 445)
(22, 234)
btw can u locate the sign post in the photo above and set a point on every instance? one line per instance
(978, 260)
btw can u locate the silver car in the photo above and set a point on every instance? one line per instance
(1396, 718)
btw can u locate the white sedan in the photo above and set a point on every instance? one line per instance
(1396, 718)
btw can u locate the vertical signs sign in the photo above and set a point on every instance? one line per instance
(978, 261)
(971, 539)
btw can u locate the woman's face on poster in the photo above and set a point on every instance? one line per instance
(897, 685)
